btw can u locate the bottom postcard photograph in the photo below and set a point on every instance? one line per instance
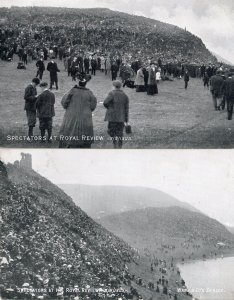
(134, 224)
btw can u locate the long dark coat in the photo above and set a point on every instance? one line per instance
(53, 69)
(45, 105)
(217, 85)
(30, 98)
(77, 122)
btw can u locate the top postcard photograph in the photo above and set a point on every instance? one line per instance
(128, 74)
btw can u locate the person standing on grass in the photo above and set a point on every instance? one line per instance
(77, 127)
(229, 94)
(45, 111)
(117, 114)
(152, 87)
(53, 69)
(30, 97)
(139, 81)
(40, 68)
(86, 64)
(114, 71)
(186, 78)
(93, 65)
(217, 89)
(206, 80)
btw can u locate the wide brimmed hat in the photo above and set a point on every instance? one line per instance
(83, 77)
(43, 84)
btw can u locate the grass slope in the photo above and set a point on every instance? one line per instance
(171, 231)
(98, 201)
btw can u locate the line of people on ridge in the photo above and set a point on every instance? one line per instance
(77, 127)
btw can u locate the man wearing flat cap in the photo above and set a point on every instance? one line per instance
(117, 105)
(45, 111)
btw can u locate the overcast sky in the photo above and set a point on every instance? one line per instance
(203, 178)
(213, 21)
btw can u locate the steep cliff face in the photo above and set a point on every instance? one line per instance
(47, 241)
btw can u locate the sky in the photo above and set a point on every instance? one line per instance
(210, 20)
(203, 178)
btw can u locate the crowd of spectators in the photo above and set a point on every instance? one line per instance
(50, 249)
(33, 32)
(49, 243)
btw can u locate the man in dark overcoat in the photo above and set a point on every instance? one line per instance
(114, 71)
(53, 69)
(93, 65)
(45, 111)
(186, 79)
(86, 65)
(40, 68)
(117, 114)
(229, 94)
(217, 89)
(30, 97)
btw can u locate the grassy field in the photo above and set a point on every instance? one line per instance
(175, 118)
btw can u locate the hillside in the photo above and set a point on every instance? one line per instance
(50, 248)
(171, 230)
(46, 240)
(231, 229)
(98, 201)
(108, 31)
(221, 59)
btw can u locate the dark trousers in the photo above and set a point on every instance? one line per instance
(40, 74)
(45, 124)
(114, 75)
(93, 71)
(53, 80)
(68, 71)
(86, 69)
(115, 131)
(230, 103)
(186, 85)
